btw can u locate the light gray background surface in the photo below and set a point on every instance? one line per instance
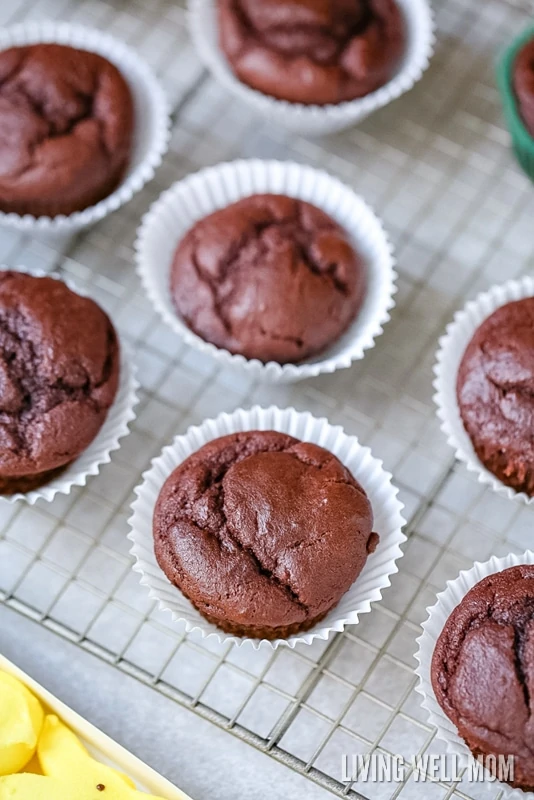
(198, 757)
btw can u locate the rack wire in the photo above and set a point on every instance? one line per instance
(437, 166)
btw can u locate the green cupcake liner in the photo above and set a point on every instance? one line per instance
(522, 141)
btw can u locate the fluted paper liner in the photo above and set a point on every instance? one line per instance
(452, 347)
(314, 119)
(115, 427)
(438, 615)
(152, 121)
(388, 520)
(193, 198)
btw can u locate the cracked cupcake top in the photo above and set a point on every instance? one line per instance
(66, 121)
(495, 389)
(262, 532)
(59, 372)
(314, 52)
(483, 669)
(269, 277)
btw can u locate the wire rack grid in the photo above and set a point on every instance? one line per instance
(437, 167)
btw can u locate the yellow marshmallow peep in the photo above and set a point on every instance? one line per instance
(21, 720)
(69, 772)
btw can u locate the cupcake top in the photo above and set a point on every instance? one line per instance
(59, 373)
(312, 51)
(523, 84)
(262, 532)
(66, 122)
(495, 389)
(268, 277)
(483, 669)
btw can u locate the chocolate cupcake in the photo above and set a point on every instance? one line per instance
(483, 670)
(523, 84)
(495, 391)
(262, 532)
(309, 52)
(66, 127)
(269, 277)
(59, 374)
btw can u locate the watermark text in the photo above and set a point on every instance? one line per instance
(384, 768)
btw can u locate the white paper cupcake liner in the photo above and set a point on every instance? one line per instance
(317, 120)
(152, 121)
(198, 195)
(388, 520)
(438, 615)
(115, 427)
(452, 347)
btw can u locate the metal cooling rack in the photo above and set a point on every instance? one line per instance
(437, 167)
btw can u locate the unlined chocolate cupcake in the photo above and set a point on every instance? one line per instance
(309, 52)
(59, 375)
(262, 532)
(269, 277)
(66, 129)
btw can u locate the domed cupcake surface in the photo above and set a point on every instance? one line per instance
(315, 52)
(495, 390)
(66, 128)
(59, 374)
(262, 532)
(483, 670)
(268, 277)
